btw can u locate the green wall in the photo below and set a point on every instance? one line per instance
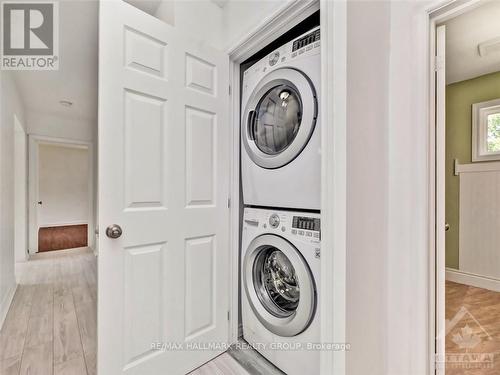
(459, 99)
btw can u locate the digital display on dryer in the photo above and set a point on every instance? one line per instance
(305, 40)
(307, 223)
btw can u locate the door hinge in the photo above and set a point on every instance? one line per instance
(229, 89)
(228, 315)
(228, 202)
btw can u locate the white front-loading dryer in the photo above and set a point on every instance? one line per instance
(280, 269)
(280, 130)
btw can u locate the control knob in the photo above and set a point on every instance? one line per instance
(274, 221)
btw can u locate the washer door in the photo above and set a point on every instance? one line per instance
(279, 285)
(279, 118)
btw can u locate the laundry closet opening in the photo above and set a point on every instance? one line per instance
(280, 252)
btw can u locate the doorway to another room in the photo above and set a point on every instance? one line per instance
(61, 194)
(467, 190)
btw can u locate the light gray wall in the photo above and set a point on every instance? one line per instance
(368, 36)
(11, 104)
(218, 27)
(57, 126)
(63, 182)
(20, 192)
(202, 19)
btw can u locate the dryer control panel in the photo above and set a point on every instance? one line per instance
(305, 45)
(306, 40)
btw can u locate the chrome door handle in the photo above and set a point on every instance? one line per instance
(114, 231)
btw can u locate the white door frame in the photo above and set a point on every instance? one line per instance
(33, 185)
(333, 182)
(21, 192)
(439, 12)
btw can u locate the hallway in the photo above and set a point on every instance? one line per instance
(51, 325)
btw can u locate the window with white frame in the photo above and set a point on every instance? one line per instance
(486, 131)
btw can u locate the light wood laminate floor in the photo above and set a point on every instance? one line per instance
(473, 340)
(51, 326)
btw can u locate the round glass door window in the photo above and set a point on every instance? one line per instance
(277, 119)
(276, 282)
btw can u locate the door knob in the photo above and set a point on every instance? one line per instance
(447, 227)
(114, 231)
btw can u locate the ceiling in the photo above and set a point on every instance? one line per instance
(463, 35)
(76, 79)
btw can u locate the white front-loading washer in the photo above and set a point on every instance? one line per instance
(280, 132)
(280, 270)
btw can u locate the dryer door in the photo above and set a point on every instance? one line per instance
(279, 118)
(279, 285)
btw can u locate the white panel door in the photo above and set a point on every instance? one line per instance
(163, 178)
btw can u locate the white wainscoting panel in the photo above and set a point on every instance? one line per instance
(479, 243)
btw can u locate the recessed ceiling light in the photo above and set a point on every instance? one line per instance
(66, 103)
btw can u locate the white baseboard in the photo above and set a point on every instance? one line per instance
(62, 224)
(5, 304)
(471, 279)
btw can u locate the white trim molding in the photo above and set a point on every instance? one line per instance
(476, 167)
(63, 224)
(472, 279)
(333, 183)
(480, 113)
(286, 17)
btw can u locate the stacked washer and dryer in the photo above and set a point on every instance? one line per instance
(281, 173)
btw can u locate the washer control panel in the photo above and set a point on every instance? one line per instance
(306, 226)
(303, 226)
